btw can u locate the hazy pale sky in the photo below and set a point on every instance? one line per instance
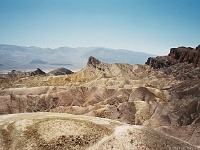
(152, 26)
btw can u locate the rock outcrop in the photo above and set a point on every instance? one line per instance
(20, 74)
(38, 71)
(186, 55)
(61, 71)
(92, 61)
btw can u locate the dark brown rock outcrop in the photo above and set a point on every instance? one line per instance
(92, 61)
(158, 62)
(186, 55)
(61, 71)
(38, 71)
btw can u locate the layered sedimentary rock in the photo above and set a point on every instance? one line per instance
(165, 99)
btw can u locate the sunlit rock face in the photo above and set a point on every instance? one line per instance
(165, 99)
(64, 131)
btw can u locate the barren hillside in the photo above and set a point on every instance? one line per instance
(163, 94)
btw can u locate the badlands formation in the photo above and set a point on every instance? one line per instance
(155, 106)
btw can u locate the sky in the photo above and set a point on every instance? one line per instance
(151, 26)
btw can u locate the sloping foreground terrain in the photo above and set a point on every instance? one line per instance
(39, 131)
(163, 94)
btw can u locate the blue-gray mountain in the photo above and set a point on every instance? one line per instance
(29, 58)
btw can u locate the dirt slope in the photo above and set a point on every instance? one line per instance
(63, 131)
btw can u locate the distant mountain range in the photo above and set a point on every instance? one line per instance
(29, 58)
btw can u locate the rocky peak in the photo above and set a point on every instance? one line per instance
(61, 71)
(183, 54)
(38, 71)
(177, 55)
(92, 61)
(20, 74)
(158, 62)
